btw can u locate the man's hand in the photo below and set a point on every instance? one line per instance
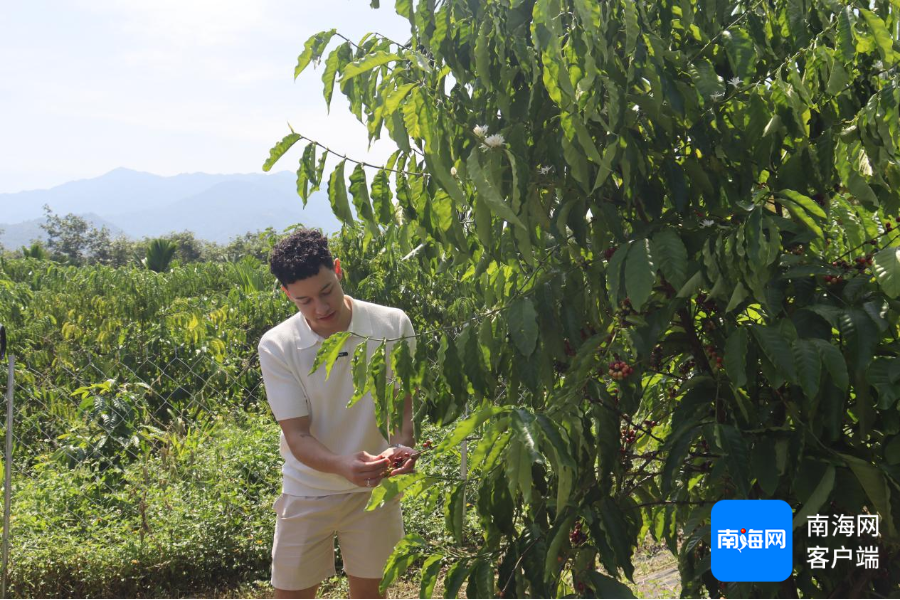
(363, 469)
(402, 460)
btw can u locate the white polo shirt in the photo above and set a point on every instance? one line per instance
(286, 356)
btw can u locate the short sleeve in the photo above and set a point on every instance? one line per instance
(285, 394)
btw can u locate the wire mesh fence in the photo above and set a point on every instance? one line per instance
(134, 474)
(148, 469)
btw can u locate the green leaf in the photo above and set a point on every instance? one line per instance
(484, 578)
(465, 427)
(494, 440)
(801, 208)
(337, 194)
(860, 334)
(861, 190)
(669, 251)
(605, 586)
(705, 79)
(430, 569)
(523, 327)
(614, 275)
(279, 149)
(883, 38)
(776, 348)
(632, 28)
(377, 386)
(809, 366)
(381, 198)
(737, 456)
(736, 356)
(845, 44)
(483, 54)
(691, 286)
(884, 373)
(396, 97)
(404, 8)
(405, 553)
(455, 578)
(565, 482)
(455, 512)
(313, 49)
(306, 173)
(834, 363)
(524, 428)
(892, 451)
(391, 487)
(329, 351)
(805, 202)
(817, 499)
(489, 191)
(741, 52)
(574, 128)
(876, 486)
(640, 273)
(448, 359)
(559, 446)
(606, 164)
(473, 359)
(551, 563)
(369, 62)
(577, 163)
(338, 57)
(838, 80)
(360, 373)
(614, 524)
(677, 445)
(737, 296)
(764, 465)
(360, 194)
(402, 365)
(886, 264)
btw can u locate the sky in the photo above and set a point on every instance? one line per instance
(169, 86)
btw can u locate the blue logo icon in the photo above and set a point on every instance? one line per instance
(752, 540)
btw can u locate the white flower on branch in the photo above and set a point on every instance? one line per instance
(544, 170)
(480, 130)
(453, 171)
(494, 141)
(718, 96)
(707, 223)
(735, 81)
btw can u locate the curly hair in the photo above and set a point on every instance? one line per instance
(300, 255)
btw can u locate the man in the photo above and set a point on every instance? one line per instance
(333, 455)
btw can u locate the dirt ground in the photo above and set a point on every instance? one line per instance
(655, 576)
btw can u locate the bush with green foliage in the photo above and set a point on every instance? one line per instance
(672, 226)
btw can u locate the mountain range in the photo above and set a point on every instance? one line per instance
(216, 208)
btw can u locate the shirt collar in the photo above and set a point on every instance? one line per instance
(360, 324)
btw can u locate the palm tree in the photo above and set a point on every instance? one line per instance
(159, 255)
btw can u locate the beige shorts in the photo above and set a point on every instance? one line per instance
(303, 550)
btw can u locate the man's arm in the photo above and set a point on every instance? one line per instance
(362, 469)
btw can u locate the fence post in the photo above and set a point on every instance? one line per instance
(7, 467)
(464, 463)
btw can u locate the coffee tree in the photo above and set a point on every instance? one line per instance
(674, 222)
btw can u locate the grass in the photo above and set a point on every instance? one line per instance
(655, 576)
